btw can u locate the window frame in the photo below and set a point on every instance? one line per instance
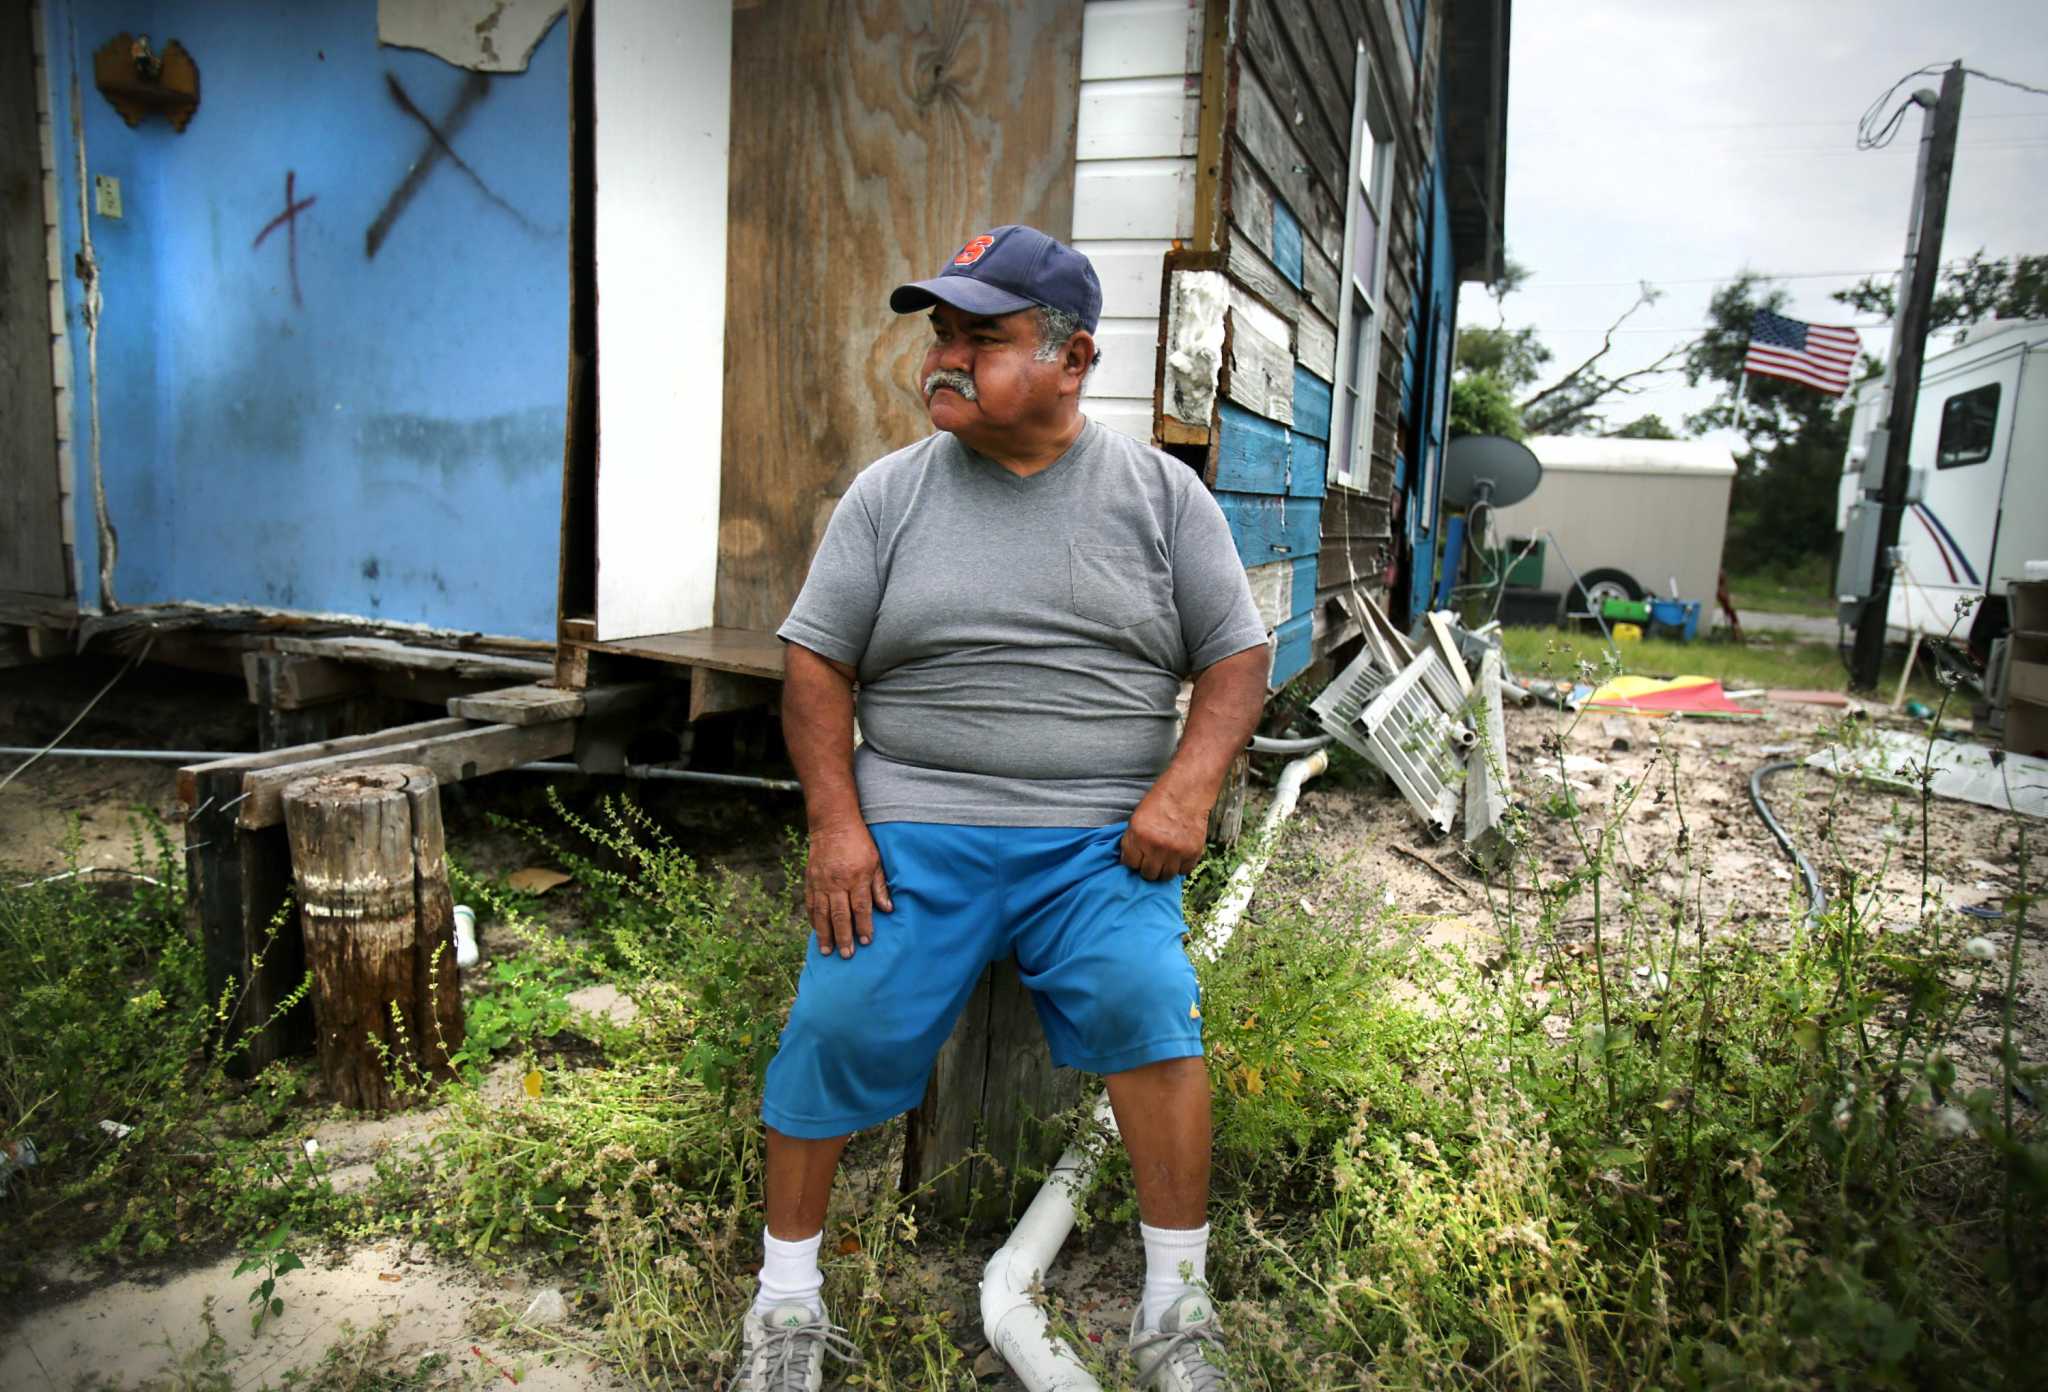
(1948, 409)
(1354, 422)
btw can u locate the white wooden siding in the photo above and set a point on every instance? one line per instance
(663, 82)
(60, 341)
(1134, 183)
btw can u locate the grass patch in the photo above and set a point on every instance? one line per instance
(1639, 1151)
(1805, 588)
(1560, 655)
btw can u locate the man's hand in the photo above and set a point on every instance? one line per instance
(1171, 825)
(1166, 835)
(843, 886)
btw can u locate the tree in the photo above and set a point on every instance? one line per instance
(1976, 289)
(1782, 509)
(1494, 367)
(1573, 403)
(1645, 427)
(1481, 405)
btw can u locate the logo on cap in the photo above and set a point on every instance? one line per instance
(971, 253)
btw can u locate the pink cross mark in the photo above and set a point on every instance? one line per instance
(290, 218)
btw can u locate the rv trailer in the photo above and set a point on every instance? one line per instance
(1978, 496)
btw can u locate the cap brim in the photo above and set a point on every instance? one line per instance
(961, 292)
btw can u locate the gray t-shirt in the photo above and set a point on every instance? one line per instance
(1020, 641)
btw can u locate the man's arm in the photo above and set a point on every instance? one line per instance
(843, 883)
(1171, 824)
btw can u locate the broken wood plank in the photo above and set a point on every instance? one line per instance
(750, 652)
(467, 753)
(391, 654)
(189, 775)
(453, 758)
(519, 705)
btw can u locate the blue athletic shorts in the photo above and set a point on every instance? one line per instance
(1099, 946)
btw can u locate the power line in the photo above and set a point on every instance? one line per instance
(1659, 282)
(1875, 129)
(1541, 330)
(1838, 123)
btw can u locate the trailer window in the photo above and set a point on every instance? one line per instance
(1968, 421)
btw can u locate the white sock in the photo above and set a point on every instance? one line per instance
(1175, 1261)
(789, 1274)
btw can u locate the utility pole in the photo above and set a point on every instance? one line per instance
(1909, 344)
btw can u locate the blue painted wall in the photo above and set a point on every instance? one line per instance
(1436, 330)
(388, 442)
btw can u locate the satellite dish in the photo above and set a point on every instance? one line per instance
(1490, 469)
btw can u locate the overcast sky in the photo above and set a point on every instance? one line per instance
(1681, 142)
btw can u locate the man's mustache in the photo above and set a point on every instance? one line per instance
(950, 377)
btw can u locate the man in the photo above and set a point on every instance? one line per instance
(1017, 597)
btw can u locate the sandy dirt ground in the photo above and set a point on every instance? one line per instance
(1620, 771)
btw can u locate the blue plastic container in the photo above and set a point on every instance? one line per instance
(1675, 618)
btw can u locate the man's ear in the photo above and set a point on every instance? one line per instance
(1077, 358)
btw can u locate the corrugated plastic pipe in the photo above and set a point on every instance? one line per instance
(1011, 1318)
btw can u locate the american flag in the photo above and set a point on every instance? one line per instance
(1816, 355)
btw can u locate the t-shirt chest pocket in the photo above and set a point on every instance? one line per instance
(1118, 586)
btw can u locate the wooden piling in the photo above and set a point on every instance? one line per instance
(984, 1119)
(379, 925)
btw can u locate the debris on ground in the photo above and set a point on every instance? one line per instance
(1900, 759)
(1694, 696)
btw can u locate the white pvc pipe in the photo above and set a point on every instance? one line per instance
(1011, 1318)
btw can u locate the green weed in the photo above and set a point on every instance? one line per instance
(273, 1259)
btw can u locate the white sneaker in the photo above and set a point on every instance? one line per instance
(784, 1350)
(1175, 1356)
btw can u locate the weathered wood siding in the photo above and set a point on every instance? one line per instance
(34, 521)
(869, 142)
(1134, 183)
(1284, 186)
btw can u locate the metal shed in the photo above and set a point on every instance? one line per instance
(1654, 510)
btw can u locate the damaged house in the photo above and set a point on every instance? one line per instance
(476, 377)
(480, 319)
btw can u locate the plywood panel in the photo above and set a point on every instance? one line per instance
(31, 527)
(661, 79)
(869, 140)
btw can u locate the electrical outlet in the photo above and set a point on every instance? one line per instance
(106, 195)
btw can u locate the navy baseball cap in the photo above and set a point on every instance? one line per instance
(1007, 269)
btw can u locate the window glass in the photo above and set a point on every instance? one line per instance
(1968, 421)
(1365, 243)
(1357, 388)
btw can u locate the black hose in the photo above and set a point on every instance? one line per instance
(1816, 897)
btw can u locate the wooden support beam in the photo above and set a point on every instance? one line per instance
(713, 692)
(288, 681)
(994, 1090)
(572, 653)
(240, 764)
(519, 705)
(379, 928)
(238, 884)
(392, 655)
(470, 752)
